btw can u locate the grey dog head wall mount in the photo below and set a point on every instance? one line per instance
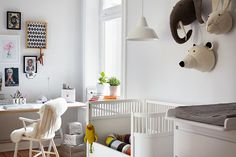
(185, 12)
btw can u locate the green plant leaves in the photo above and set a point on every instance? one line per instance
(102, 79)
(113, 81)
(102, 74)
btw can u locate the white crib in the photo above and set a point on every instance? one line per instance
(151, 133)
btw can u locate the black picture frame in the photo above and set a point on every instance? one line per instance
(1, 80)
(31, 68)
(13, 20)
(11, 77)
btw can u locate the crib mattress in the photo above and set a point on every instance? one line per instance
(209, 114)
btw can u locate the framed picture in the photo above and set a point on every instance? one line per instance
(30, 64)
(13, 20)
(9, 49)
(11, 77)
(0, 81)
(36, 34)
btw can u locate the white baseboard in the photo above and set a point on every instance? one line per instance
(9, 146)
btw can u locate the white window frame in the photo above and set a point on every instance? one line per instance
(107, 14)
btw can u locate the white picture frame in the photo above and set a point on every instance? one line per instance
(9, 49)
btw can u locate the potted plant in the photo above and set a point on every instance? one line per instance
(18, 98)
(114, 83)
(102, 80)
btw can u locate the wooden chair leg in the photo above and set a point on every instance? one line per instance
(49, 148)
(55, 148)
(42, 149)
(30, 148)
(16, 150)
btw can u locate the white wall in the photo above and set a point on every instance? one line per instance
(91, 43)
(63, 57)
(152, 67)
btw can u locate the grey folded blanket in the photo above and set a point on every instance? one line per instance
(209, 114)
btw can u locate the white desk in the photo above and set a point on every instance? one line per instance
(8, 111)
(31, 107)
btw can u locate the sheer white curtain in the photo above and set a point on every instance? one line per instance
(110, 3)
(112, 47)
(111, 37)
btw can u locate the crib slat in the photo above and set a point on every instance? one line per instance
(144, 124)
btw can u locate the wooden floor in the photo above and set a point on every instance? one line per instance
(25, 153)
(21, 153)
(10, 154)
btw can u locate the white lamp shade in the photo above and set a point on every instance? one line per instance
(142, 32)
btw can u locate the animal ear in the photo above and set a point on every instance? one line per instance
(226, 4)
(209, 45)
(215, 5)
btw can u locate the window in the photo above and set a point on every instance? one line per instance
(111, 37)
(110, 3)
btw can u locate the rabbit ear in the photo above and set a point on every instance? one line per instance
(226, 4)
(215, 5)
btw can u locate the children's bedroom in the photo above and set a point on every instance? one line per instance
(117, 78)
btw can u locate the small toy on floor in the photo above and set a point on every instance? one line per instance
(90, 136)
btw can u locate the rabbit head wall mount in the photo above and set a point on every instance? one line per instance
(201, 58)
(184, 13)
(219, 21)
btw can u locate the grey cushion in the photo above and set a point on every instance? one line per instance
(209, 114)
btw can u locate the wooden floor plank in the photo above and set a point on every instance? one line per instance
(25, 153)
(21, 153)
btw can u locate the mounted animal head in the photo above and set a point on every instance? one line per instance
(184, 13)
(201, 58)
(219, 21)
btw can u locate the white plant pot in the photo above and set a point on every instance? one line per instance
(101, 89)
(113, 90)
(16, 100)
(19, 101)
(22, 100)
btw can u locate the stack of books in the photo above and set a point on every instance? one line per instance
(101, 98)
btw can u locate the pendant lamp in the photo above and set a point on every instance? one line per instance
(142, 32)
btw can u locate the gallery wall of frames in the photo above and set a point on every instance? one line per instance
(52, 28)
(40, 47)
(36, 38)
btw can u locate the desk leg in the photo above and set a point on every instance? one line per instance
(30, 148)
(70, 151)
(82, 114)
(61, 134)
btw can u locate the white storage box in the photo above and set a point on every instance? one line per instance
(72, 151)
(75, 128)
(68, 95)
(73, 139)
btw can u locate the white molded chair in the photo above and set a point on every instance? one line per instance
(42, 129)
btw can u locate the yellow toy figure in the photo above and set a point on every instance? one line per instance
(90, 136)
